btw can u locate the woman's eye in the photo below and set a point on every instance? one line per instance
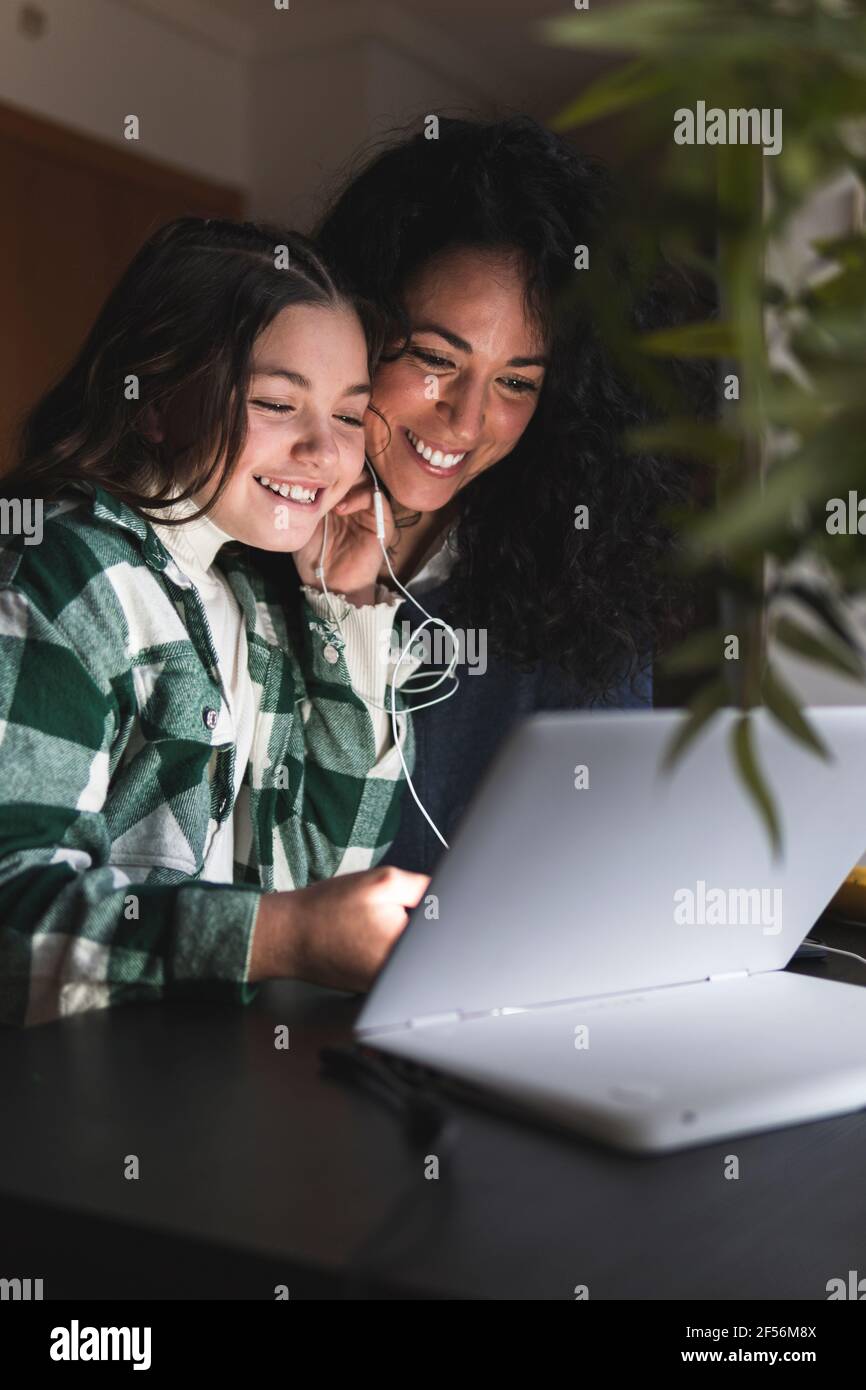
(278, 407)
(430, 359)
(519, 384)
(352, 420)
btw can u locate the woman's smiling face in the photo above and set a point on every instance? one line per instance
(461, 395)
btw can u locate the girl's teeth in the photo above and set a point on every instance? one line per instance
(293, 490)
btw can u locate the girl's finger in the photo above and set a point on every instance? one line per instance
(359, 499)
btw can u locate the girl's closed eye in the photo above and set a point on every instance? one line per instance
(276, 407)
(282, 408)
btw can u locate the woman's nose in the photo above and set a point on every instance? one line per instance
(466, 412)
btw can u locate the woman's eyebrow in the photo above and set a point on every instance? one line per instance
(527, 362)
(361, 388)
(459, 343)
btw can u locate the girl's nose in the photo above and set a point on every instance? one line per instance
(317, 447)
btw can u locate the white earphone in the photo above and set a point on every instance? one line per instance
(448, 673)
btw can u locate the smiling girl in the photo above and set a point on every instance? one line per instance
(180, 785)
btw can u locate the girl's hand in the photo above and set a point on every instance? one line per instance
(354, 556)
(336, 933)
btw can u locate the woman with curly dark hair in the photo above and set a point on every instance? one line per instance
(497, 436)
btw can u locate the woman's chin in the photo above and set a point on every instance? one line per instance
(417, 493)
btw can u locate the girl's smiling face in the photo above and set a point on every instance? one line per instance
(309, 388)
(461, 395)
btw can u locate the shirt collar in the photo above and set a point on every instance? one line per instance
(108, 508)
(195, 544)
(437, 567)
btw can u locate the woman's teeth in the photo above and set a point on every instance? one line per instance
(434, 456)
(292, 490)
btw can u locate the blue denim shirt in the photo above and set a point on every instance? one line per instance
(456, 740)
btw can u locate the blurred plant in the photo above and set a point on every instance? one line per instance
(795, 437)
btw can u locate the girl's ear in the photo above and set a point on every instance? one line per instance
(152, 425)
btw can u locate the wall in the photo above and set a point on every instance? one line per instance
(276, 106)
(314, 111)
(99, 61)
(308, 113)
(400, 88)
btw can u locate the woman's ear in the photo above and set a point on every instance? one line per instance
(152, 426)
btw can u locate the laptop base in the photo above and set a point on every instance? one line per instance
(666, 1068)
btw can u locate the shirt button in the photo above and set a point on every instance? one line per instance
(154, 553)
(331, 655)
(210, 717)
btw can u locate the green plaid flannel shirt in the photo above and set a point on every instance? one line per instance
(112, 779)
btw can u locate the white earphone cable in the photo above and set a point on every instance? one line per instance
(428, 619)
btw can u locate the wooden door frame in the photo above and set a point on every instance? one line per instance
(77, 147)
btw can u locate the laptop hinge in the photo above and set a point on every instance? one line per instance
(447, 1016)
(431, 1020)
(462, 1015)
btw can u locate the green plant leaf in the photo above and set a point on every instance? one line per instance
(645, 25)
(813, 648)
(782, 704)
(753, 779)
(794, 438)
(710, 339)
(849, 251)
(685, 439)
(833, 92)
(822, 605)
(759, 38)
(708, 701)
(846, 292)
(613, 91)
(761, 510)
(702, 651)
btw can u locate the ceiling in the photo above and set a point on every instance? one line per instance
(497, 40)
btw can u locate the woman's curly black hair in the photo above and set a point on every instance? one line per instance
(598, 602)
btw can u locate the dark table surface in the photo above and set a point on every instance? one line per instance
(256, 1171)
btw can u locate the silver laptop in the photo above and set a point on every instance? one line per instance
(604, 944)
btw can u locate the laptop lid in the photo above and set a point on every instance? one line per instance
(582, 868)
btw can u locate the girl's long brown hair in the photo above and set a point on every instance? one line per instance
(176, 331)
